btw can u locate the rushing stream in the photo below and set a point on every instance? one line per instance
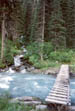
(39, 85)
(19, 84)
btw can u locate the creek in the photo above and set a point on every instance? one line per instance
(37, 85)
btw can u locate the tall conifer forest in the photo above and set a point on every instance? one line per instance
(46, 28)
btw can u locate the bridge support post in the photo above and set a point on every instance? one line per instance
(57, 107)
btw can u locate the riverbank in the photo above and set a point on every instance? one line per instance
(30, 69)
(51, 71)
(39, 104)
(35, 103)
(25, 103)
(48, 71)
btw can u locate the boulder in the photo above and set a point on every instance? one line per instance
(31, 102)
(41, 107)
(22, 68)
(30, 69)
(27, 100)
(51, 71)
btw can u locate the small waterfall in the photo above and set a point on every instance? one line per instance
(18, 63)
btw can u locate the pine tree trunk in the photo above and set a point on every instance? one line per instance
(43, 31)
(3, 36)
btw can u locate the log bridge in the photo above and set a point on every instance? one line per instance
(59, 97)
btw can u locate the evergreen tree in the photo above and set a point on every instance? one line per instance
(57, 29)
(70, 22)
(73, 23)
(68, 8)
(22, 23)
(34, 20)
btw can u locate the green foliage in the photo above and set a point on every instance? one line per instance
(61, 56)
(3, 102)
(51, 58)
(34, 50)
(48, 48)
(5, 105)
(15, 51)
(2, 65)
(34, 21)
(8, 57)
(57, 29)
(33, 58)
(45, 64)
(9, 52)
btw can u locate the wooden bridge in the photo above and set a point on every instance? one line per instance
(59, 97)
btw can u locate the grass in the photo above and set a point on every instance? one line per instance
(5, 105)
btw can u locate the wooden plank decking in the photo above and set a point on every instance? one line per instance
(60, 93)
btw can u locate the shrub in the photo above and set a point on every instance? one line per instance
(2, 65)
(14, 51)
(45, 64)
(6, 105)
(9, 58)
(50, 57)
(61, 56)
(33, 58)
(35, 48)
(48, 48)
